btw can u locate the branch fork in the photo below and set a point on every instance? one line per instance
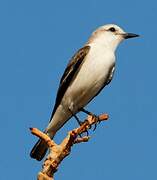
(58, 152)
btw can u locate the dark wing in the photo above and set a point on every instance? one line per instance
(111, 73)
(69, 73)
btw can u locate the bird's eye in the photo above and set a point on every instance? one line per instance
(112, 29)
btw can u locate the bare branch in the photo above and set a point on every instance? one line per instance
(59, 152)
(83, 139)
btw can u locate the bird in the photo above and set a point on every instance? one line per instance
(87, 73)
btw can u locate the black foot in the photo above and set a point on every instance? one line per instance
(97, 121)
(77, 119)
(79, 122)
(87, 133)
(87, 112)
(93, 115)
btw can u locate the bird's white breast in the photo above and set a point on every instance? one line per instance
(90, 77)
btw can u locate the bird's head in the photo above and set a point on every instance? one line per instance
(110, 35)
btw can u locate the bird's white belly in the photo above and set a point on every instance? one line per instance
(88, 81)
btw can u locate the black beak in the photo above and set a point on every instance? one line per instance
(130, 35)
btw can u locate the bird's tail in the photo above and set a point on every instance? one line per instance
(39, 150)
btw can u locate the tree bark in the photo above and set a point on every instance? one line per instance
(58, 152)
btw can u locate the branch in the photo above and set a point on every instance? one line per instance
(58, 152)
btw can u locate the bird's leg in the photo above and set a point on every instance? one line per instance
(78, 121)
(93, 115)
(87, 112)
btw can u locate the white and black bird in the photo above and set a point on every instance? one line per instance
(87, 73)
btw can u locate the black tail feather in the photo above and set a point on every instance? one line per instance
(39, 150)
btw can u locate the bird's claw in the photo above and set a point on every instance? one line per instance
(80, 135)
(79, 122)
(97, 122)
(87, 133)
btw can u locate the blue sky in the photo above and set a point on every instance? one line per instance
(37, 38)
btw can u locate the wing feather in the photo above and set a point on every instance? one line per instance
(70, 73)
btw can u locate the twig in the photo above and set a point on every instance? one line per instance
(59, 152)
